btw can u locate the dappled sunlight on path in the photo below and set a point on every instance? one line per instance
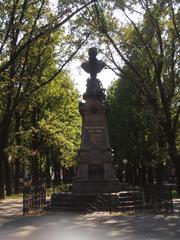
(68, 226)
(10, 207)
(87, 227)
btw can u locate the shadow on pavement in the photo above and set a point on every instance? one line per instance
(68, 226)
(87, 227)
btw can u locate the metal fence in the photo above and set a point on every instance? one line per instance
(158, 198)
(34, 198)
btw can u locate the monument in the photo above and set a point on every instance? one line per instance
(95, 172)
(96, 187)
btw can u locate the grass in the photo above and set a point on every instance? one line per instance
(59, 188)
(175, 194)
(49, 191)
(15, 196)
(65, 188)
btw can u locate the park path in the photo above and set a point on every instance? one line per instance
(68, 226)
(10, 207)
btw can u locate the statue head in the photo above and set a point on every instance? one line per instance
(92, 52)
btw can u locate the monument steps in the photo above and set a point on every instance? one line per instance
(120, 201)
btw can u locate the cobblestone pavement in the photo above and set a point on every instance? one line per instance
(67, 226)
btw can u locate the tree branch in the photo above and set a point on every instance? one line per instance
(176, 119)
(142, 40)
(59, 70)
(50, 29)
(174, 20)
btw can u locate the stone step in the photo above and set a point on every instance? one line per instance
(121, 201)
(64, 209)
(92, 208)
(97, 204)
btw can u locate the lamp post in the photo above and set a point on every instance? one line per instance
(164, 172)
(125, 161)
(52, 178)
(112, 152)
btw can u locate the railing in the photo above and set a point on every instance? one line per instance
(154, 198)
(100, 203)
(158, 198)
(34, 198)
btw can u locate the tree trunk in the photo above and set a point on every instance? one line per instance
(160, 173)
(129, 173)
(178, 178)
(35, 171)
(7, 176)
(2, 182)
(57, 178)
(35, 160)
(17, 176)
(35, 163)
(48, 176)
(17, 161)
(143, 175)
(177, 167)
(175, 157)
(150, 175)
(4, 164)
(135, 174)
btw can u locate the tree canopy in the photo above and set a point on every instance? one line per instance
(39, 120)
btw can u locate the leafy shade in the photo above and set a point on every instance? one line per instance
(59, 127)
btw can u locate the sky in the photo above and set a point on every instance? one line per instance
(79, 76)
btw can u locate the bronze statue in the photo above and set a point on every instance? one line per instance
(93, 66)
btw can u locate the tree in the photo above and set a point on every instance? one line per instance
(25, 26)
(48, 133)
(59, 128)
(149, 50)
(15, 18)
(135, 133)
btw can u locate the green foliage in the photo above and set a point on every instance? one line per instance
(39, 122)
(59, 127)
(56, 127)
(134, 129)
(175, 195)
(144, 103)
(60, 188)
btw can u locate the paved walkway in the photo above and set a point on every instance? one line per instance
(61, 226)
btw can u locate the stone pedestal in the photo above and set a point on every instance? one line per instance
(95, 173)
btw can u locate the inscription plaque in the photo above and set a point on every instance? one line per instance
(94, 135)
